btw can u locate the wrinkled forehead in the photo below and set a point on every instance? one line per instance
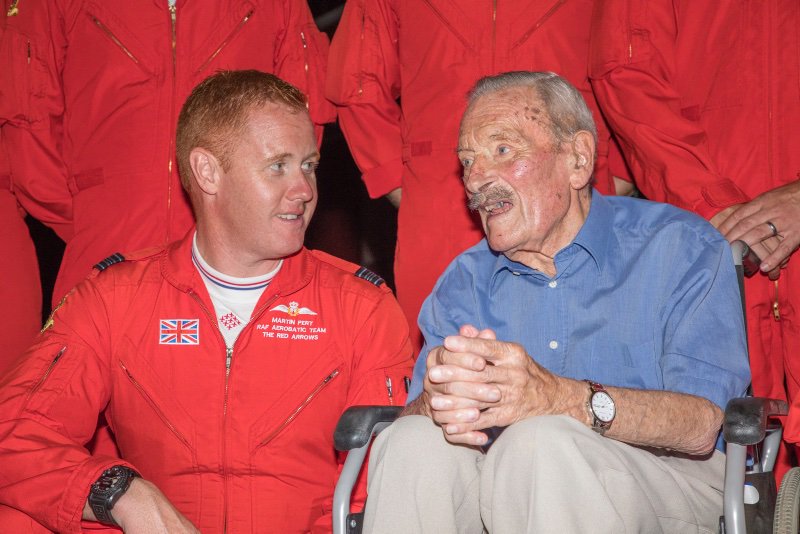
(511, 109)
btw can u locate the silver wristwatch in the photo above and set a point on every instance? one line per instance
(601, 407)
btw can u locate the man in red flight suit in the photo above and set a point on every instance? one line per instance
(92, 90)
(705, 99)
(429, 53)
(20, 290)
(223, 362)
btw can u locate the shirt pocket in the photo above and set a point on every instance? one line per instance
(625, 365)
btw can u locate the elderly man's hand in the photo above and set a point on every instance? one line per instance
(748, 222)
(476, 382)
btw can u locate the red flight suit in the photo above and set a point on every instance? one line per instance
(429, 53)
(92, 91)
(20, 289)
(705, 99)
(242, 446)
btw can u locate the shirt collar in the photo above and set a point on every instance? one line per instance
(595, 233)
(593, 237)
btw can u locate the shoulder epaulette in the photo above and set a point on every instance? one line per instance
(109, 261)
(369, 276)
(348, 267)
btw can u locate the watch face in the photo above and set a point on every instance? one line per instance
(603, 407)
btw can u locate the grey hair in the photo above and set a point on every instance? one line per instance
(564, 104)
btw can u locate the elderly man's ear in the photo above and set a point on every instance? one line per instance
(582, 159)
(206, 170)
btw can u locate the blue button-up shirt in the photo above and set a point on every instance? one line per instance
(644, 297)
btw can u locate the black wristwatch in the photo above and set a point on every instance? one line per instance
(106, 491)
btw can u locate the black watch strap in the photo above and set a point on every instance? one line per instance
(107, 490)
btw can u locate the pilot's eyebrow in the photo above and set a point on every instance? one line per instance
(278, 157)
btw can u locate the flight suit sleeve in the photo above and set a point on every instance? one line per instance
(49, 405)
(364, 82)
(32, 110)
(632, 69)
(301, 57)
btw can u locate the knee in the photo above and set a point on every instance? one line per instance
(538, 437)
(416, 441)
(413, 435)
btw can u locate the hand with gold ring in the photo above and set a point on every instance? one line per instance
(770, 224)
(773, 228)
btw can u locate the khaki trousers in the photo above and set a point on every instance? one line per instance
(543, 474)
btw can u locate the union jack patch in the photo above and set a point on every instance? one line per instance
(179, 332)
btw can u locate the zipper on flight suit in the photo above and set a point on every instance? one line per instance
(47, 371)
(228, 366)
(105, 29)
(292, 416)
(538, 24)
(305, 65)
(13, 10)
(155, 407)
(361, 53)
(776, 311)
(494, 33)
(173, 16)
(226, 41)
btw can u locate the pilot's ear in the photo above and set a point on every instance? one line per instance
(206, 169)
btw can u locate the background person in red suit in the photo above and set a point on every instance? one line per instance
(705, 99)
(91, 94)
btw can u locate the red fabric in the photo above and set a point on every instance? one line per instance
(429, 53)
(20, 289)
(705, 99)
(92, 94)
(252, 450)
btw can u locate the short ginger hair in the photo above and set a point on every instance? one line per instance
(216, 112)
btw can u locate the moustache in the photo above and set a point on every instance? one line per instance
(492, 195)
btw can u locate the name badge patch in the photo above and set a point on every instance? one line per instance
(179, 332)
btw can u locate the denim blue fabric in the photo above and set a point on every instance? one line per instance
(644, 297)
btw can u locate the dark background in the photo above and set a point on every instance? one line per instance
(347, 223)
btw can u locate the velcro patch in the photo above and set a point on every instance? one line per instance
(109, 261)
(369, 276)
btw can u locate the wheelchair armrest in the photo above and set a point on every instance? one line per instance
(746, 419)
(356, 425)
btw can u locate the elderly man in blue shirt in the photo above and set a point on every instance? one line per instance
(599, 337)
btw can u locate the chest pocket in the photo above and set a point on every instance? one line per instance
(23, 82)
(148, 418)
(108, 39)
(315, 399)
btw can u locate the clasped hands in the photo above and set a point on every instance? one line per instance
(475, 381)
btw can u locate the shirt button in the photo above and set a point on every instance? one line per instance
(553, 283)
(515, 273)
(554, 344)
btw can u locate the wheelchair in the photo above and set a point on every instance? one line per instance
(751, 503)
